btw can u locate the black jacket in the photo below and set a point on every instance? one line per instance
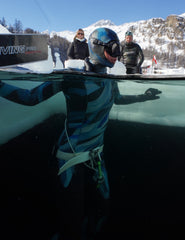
(78, 50)
(131, 54)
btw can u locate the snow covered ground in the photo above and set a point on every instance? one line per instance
(168, 110)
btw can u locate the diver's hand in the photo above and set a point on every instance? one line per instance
(151, 94)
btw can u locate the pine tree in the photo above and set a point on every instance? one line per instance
(3, 22)
(11, 28)
(18, 28)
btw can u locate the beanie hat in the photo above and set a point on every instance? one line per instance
(129, 33)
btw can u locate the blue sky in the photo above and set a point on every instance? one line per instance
(59, 15)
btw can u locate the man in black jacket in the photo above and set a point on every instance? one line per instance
(131, 54)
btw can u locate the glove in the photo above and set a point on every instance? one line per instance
(150, 94)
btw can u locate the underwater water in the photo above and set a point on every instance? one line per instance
(145, 163)
(144, 154)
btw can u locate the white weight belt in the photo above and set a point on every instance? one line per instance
(76, 158)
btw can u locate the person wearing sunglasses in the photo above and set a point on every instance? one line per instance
(79, 47)
(131, 54)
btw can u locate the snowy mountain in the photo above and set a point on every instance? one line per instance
(182, 15)
(164, 38)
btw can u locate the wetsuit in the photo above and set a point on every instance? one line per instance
(132, 56)
(88, 105)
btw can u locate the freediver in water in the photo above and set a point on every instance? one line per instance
(84, 187)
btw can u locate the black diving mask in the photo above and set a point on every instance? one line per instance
(112, 47)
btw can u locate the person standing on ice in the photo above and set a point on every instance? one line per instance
(84, 185)
(79, 47)
(131, 54)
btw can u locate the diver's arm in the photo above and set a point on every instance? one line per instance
(150, 94)
(30, 97)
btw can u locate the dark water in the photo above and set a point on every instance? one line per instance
(146, 166)
(147, 172)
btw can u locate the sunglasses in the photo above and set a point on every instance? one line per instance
(80, 33)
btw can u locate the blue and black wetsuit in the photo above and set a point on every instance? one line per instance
(88, 105)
